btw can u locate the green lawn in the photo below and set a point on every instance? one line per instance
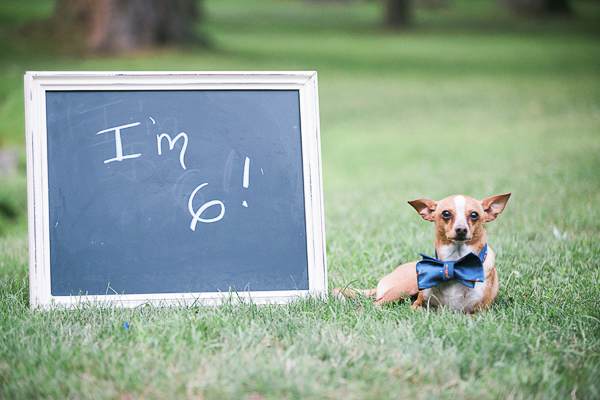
(470, 100)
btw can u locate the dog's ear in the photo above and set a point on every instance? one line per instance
(494, 205)
(424, 207)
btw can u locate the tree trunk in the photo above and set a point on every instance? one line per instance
(398, 13)
(539, 7)
(127, 25)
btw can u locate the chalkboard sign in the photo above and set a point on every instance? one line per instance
(171, 187)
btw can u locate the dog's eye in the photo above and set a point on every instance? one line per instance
(446, 214)
(474, 216)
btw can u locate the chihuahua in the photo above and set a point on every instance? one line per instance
(462, 276)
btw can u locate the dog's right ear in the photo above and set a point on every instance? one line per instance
(424, 207)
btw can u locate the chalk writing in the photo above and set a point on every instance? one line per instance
(246, 181)
(196, 215)
(118, 143)
(172, 144)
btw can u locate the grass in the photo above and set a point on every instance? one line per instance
(470, 100)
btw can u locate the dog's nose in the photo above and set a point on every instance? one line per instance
(461, 230)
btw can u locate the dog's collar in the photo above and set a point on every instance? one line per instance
(467, 270)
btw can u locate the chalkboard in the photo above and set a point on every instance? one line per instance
(163, 187)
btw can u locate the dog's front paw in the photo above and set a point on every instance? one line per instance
(417, 305)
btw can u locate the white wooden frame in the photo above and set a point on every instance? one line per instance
(36, 86)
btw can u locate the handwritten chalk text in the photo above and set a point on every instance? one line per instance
(196, 215)
(119, 144)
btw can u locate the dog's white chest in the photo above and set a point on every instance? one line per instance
(454, 295)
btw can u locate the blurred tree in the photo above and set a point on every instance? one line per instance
(125, 25)
(539, 7)
(398, 13)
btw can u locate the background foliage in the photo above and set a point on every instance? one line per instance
(469, 100)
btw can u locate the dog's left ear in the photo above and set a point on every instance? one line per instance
(494, 205)
(424, 207)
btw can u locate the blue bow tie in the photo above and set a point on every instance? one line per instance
(467, 270)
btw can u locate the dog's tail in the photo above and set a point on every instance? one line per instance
(353, 293)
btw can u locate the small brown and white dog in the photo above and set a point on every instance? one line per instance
(459, 231)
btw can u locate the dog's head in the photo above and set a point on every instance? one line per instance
(460, 219)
